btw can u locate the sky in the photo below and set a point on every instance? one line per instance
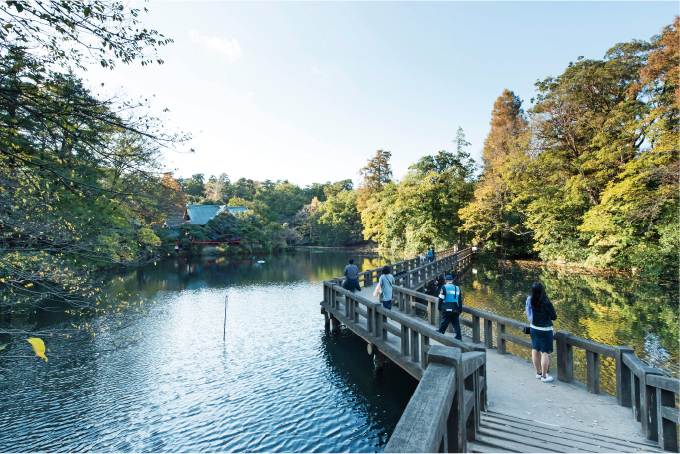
(307, 92)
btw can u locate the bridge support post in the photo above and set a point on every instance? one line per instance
(623, 388)
(565, 357)
(378, 357)
(335, 324)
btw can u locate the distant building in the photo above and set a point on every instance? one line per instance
(201, 214)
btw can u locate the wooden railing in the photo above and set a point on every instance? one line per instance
(413, 338)
(407, 272)
(444, 411)
(651, 395)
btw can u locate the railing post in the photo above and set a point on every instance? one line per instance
(648, 403)
(383, 331)
(565, 357)
(377, 322)
(499, 338)
(623, 390)
(404, 341)
(593, 372)
(424, 344)
(415, 346)
(370, 319)
(431, 312)
(475, 329)
(488, 334)
(667, 430)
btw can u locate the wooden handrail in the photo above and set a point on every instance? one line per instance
(448, 400)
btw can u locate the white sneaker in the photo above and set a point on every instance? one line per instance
(539, 376)
(546, 379)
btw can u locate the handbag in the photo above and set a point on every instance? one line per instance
(376, 292)
(526, 329)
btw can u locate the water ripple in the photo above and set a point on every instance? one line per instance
(279, 383)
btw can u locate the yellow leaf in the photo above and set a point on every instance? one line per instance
(38, 347)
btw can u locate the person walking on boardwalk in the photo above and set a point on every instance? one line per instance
(451, 306)
(430, 255)
(541, 313)
(385, 285)
(352, 275)
(422, 258)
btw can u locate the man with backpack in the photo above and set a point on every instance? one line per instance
(451, 306)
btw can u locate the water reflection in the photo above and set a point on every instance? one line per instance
(608, 309)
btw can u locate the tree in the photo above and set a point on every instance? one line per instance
(377, 172)
(636, 222)
(338, 220)
(580, 121)
(79, 173)
(58, 33)
(218, 188)
(331, 190)
(375, 175)
(283, 198)
(194, 186)
(424, 210)
(305, 219)
(494, 216)
(244, 189)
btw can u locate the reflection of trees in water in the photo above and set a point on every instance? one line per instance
(609, 309)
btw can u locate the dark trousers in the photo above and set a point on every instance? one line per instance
(451, 317)
(387, 305)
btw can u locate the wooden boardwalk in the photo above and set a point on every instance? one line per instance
(562, 416)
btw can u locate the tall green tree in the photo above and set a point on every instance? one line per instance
(375, 175)
(338, 220)
(496, 215)
(424, 208)
(580, 120)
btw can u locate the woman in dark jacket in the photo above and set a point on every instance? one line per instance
(541, 313)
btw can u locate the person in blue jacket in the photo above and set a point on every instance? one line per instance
(451, 305)
(430, 255)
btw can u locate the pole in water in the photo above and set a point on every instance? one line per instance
(226, 301)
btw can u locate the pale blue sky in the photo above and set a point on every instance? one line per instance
(308, 91)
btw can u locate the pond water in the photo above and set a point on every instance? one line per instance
(280, 381)
(613, 310)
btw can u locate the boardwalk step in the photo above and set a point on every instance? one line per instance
(474, 446)
(504, 433)
(615, 443)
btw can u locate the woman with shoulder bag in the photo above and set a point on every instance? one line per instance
(385, 284)
(541, 313)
